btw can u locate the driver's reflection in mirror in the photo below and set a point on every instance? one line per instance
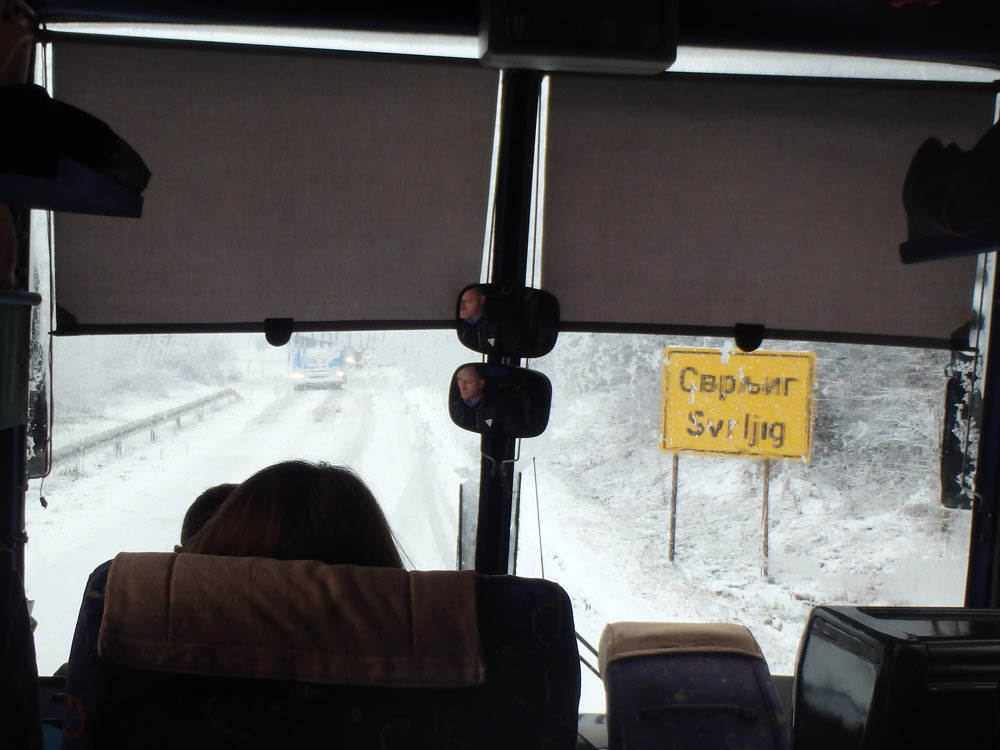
(470, 409)
(475, 328)
(471, 306)
(477, 407)
(486, 324)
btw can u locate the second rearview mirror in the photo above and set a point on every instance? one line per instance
(493, 399)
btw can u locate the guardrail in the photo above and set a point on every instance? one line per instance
(117, 435)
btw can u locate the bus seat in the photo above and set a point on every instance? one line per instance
(20, 718)
(689, 685)
(196, 650)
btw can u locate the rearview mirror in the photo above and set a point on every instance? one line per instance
(492, 399)
(511, 322)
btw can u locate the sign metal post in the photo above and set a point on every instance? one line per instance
(740, 404)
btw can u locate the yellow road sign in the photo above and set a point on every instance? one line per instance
(737, 404)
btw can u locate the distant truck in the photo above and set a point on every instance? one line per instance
(359, 357)
(313, 368)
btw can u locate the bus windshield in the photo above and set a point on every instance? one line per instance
(592, 492)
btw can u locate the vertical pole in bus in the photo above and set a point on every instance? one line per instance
(458, 543)
(673, 508)
(519, 92)
(515, 532)
(538, 517)
(764, 516)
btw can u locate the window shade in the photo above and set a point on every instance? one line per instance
(699, 201)
(291, 185)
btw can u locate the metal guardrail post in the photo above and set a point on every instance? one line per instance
(118, 434)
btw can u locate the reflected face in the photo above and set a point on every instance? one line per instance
(471, 305)
(470, 384)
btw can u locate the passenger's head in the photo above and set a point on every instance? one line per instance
(470, 382)
(203, 508)
(297, 510)
(472, 303)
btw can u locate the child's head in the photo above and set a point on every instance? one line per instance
(297, 510)
(202, 509)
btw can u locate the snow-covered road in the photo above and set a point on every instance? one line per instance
(106, 504)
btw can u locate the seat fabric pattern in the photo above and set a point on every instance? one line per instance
(693, 701)
(529, 699)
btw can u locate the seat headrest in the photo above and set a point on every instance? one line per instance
(624, 640)
(304, 621)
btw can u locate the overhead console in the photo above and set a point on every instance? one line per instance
(637, 37)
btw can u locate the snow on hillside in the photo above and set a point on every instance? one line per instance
(860, 523)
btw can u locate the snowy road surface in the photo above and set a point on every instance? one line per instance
(104, 504)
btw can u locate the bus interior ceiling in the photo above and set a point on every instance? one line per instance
(688, 203)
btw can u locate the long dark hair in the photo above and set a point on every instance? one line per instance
(296, 510)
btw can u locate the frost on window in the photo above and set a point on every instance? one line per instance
(960, 438)
(39, 380)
